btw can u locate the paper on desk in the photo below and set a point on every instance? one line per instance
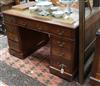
(68, 19)
(42, 17)
(74, 16)
(23, 6)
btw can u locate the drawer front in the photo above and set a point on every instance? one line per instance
(14, 45)
(63, 48)
(61, 63)
(12, 28)
(12, 36)
(98, 69)
(97, 76)
(17, 54)
(31, 24)
(26, 23)
(39, 26)
(63, 32)
(62, 53)
(9, 19)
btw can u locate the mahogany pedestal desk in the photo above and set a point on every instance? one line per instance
(27, 33)
(95, 75)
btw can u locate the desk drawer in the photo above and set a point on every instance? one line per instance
(39, 26)
(12, 32)
(9, 19)
(26, 23)
(12, 36)
(31, 24)
(95, 74)
(58, 62)
(17, 54)
(12, 28)
(14, 45)
(63, 48)
(63, 32)
(62, 53)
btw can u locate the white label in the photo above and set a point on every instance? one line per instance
(62, 71)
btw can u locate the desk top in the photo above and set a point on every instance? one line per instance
(60, 22)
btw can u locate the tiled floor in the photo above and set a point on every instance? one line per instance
(2, 84)
(33, 71)
(3, 41)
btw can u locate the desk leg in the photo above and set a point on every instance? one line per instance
(22, 42)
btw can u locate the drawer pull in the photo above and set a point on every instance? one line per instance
(62, 71)
(24, 24)
(61, 44)
(62, 68)
(61, 33)
(61, 55)
(39, 28)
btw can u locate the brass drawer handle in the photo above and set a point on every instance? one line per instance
(39, 28)
(61, 55)
(62, 65)
(60, 33)
(61, 44)
(62, 68)
(24, 24)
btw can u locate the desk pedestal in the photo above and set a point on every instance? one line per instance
(95, 76)
(22, 42)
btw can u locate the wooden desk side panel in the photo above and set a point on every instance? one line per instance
(96, 64)
(91, 26)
